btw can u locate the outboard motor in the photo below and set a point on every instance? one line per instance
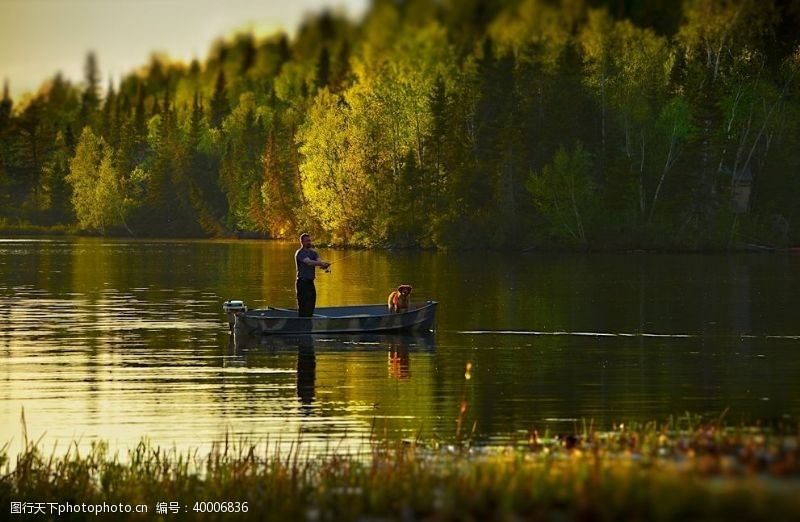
(232, 309)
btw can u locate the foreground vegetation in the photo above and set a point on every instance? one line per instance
(526, 123)
(678, 471)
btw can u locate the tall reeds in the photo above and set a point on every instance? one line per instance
(682, 469)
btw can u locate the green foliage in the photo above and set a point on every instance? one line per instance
(279, 194)
(331, 183)
(98, 196)
(55, 192)
(419, 126)
(563, 193)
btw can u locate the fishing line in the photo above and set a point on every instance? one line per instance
(328, 270)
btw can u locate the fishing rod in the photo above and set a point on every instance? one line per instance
(328, 270)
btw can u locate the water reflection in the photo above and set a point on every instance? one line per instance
(399, 361)
(118, 340)
(306, 369)
(244, 347)
(244, 342)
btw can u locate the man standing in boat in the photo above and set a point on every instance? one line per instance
(307, 260)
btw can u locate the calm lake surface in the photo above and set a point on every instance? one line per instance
(117, 340)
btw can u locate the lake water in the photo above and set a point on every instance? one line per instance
(117, 340)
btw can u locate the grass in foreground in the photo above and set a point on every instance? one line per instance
(696, 472)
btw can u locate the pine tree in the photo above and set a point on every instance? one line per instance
(323, 68)
(219, 101)
(247, 49)
(204, 194)
(56, 191)
(6, 105)
(108, 124)
(90, 98)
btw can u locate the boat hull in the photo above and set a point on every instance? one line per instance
(348, 319)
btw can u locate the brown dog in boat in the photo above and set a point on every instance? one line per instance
(399, 299)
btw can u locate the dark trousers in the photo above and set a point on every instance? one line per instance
(306, 297)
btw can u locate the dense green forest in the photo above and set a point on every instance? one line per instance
(470, 123)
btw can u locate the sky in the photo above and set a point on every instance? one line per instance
(39, 38)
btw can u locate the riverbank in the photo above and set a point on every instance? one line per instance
(22, 230)
(697, 472)
(27, 230)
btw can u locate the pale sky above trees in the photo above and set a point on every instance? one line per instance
(39, 38)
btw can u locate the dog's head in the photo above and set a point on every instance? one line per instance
(405, 290)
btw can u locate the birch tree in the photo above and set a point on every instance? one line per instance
(98, 196)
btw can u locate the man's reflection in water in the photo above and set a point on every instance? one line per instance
(399, 361)
(306, 369)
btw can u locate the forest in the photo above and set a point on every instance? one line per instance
(514, 124)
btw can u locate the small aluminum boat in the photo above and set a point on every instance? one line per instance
(419, 317)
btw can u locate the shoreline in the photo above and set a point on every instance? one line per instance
(740, 248)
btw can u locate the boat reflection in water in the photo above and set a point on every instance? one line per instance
(399, 348)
